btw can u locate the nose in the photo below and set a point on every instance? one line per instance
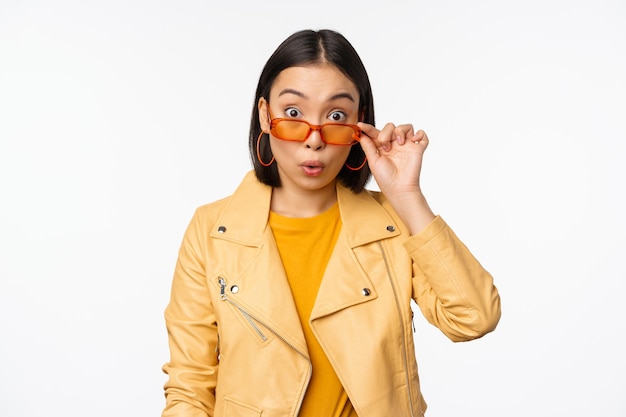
(314, 141)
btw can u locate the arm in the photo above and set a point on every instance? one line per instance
(192, 331)
(454, 292)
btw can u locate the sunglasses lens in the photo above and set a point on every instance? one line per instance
(290, 130)
(297, 130)
(339, 134)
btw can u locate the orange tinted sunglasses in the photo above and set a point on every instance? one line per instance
(294, 130)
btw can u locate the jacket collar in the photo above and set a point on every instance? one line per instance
(364, 219)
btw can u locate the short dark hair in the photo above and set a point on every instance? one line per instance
(304, 48)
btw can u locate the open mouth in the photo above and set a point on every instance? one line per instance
(312, 168)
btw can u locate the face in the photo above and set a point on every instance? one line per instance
(317, 94)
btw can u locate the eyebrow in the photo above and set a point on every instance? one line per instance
(300, 94)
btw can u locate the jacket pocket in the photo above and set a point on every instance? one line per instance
(234, 408)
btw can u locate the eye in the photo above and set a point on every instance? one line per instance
(292, 112)
(337, 116)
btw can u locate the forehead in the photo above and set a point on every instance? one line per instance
(315, 82)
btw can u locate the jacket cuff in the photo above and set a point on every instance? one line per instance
(433, 229)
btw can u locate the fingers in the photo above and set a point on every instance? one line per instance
(369, 141)
(369, 146)
(369, 130)
(386, 136)
(382, 138)
(420, 138)
(401, 134)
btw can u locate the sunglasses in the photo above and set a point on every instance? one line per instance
(300, 130)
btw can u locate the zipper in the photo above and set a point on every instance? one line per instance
(245, 314)
(405, 357)
(253, 320)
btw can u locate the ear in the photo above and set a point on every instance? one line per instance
(264, 115)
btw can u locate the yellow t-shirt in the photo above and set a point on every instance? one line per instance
(305, 245)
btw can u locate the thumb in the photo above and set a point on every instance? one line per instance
(369, 147)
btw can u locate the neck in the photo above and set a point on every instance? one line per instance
(303, 203)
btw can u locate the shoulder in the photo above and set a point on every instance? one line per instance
(372, 198)
(240, 217)
(367, 216)
(213, 208)
(249, 190)
(376, 195)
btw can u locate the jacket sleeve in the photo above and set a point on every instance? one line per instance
(454, 292)
(192, 332)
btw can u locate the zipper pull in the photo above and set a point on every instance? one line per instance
(222, 283)
(412, 321)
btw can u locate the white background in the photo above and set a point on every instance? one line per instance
(119, 118)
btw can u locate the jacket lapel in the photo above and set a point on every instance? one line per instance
(346, 281)
(256, 270)
(263, 289)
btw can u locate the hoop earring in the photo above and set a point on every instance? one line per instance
(356, 169)
(258, 152)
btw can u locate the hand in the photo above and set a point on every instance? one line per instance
(395, 156)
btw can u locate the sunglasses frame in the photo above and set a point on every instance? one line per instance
(275, 121)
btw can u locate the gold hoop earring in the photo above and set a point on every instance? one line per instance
(258, 152)
(356, 169)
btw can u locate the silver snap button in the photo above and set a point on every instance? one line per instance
(391, 229)
(234, 289)
(221, 229)
(366, 292)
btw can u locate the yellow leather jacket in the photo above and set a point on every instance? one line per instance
(236, 343)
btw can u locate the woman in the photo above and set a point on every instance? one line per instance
(292, 296)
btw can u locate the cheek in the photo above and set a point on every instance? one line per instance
(341, 154)
(281, 148)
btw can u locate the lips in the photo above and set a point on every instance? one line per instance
(312, 168)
